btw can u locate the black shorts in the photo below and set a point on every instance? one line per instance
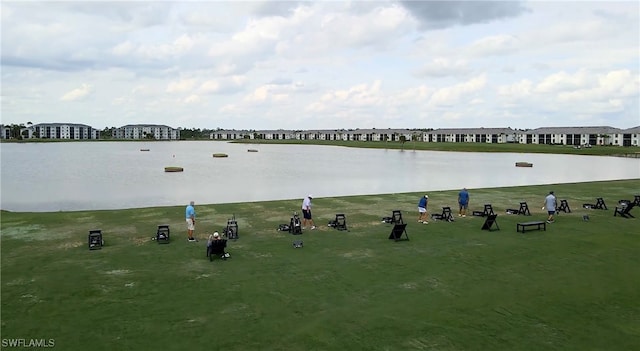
(306, 214)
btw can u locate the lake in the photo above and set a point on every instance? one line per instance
(69, 176)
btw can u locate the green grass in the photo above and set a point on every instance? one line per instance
(461, 147)
(451, 287)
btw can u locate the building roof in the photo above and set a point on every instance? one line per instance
(575, 130)
(472, 131)
(146, 126)
(61, 124)
(632, 130)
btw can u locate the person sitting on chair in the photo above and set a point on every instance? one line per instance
(216, 245)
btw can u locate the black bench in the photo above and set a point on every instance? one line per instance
(538, 224)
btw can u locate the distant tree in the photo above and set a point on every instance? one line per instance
(403, 139)
(16, 130)
(107, 133)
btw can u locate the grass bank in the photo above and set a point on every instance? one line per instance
(453, 286)
(463, 147)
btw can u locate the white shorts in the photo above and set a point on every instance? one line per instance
(422, 210)
(190, 224)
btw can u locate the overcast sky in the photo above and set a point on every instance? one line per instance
(322, 65)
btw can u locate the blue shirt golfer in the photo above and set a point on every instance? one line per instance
(190, 214)
(422, 209)
(463, 201)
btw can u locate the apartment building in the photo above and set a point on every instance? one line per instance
(146, 131)
(70, 131)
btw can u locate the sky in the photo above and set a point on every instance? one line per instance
(303, 65)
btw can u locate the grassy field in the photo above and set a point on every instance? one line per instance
(452, 286)
(464, 147)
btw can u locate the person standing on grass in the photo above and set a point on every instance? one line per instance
(191, 221)
(550, 203)
(422, 210)
(306, 212)
(463, 201)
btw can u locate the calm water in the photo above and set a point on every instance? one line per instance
(111, 175)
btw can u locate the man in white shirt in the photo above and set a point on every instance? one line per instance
(306, 212)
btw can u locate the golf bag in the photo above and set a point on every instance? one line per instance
(231, 230)
(295, 225)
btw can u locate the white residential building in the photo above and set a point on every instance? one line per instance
(631, 136)
(572, 136)
(471, 135)
(146, 131)
(71, 131)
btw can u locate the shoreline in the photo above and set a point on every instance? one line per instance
(594, 183)
(596, 150)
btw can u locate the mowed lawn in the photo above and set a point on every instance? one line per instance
(452, 286)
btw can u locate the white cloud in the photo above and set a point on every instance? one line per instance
(322, 64)
(223, 85)
(267, 93)
(183, 85)
(444, 67)
(454, 94)
(191, 99)
(78, 94)
(359, 95)
(561, 81)
(495, 45)
(607, 88)
(123, 49)
(521, 89)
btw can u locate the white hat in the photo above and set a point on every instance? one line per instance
(216, 235)
(426, 196)
(310, 196)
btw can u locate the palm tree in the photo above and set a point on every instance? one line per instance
(403, 139)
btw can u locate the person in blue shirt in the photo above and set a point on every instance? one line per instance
(190, 214)
(422, 209)
(463, 201)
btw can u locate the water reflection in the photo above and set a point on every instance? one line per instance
(110, 175)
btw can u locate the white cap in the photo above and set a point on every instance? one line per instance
(310, 196)
(216, 235)
(426, 196)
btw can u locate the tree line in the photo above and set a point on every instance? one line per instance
(19, 132)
